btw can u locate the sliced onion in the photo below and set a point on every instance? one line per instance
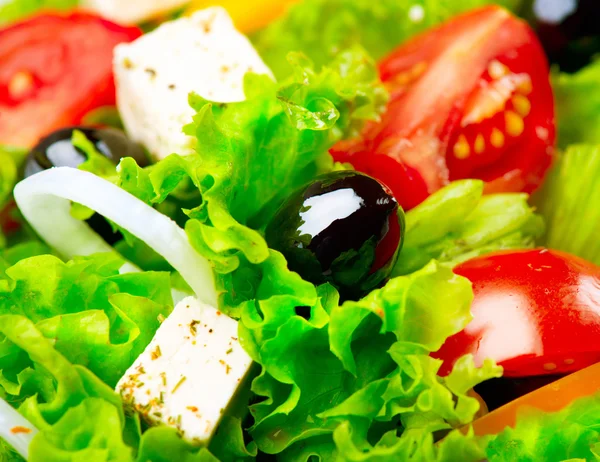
(45, 201)
(15, 429)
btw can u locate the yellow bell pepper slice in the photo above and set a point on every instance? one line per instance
(551, 398)
(248, 15)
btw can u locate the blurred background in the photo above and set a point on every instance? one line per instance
(568, 29)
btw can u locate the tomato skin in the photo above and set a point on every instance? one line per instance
(405, 182)
(535, 312)
(444, 95)
(54, 68)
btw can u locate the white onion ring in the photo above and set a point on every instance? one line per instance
(15, 429)
(45, 201)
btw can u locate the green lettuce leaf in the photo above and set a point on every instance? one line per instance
(577, 99)
(253, 154)
(8, 454)
(458, 223)
(12, 255)
(364, 365)
(281, 134)
(142, 255)
(569, 202)
(95, 162)
(322, 28)
(570, 434)
(163, 444)
(70, 406)
(415, 444)
(103, 116)
(11, 160)
(79, 415)
(93, 315)
(99, 319)
(91, 431)
(17, 238)
(13, 10)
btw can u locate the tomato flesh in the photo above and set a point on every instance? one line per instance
(53, 70)
(509, 129)
(470, 99)
(535, 312)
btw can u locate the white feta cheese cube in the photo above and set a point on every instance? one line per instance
(155, 74)
(132, 11)
(190, 371)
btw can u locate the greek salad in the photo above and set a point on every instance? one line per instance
(311, 230)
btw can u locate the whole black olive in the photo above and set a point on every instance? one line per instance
(56, 149)
(344, 228)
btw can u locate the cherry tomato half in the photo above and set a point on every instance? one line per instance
(470, 99)
(54, 69)
(535, 312)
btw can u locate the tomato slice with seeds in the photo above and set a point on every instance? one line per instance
(470, 99)
(54, 69)
(535, 312)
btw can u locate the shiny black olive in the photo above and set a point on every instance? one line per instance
(503, 390)
(56, 149)
(344, 228)
(568, 29)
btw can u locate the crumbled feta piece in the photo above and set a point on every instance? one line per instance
(132, 11)
(155, 74)
(190, 371)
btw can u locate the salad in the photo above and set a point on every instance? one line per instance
(313, 230)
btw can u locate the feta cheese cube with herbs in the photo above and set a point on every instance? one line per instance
(156, 73)
(132, 11)
(190, 371)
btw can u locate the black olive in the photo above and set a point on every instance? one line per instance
(503, 390)
(344, 228)
(56, 150)
(568, 30)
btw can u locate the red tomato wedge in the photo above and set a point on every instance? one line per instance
(551, 398)
(470, 99)
(53, 70)
(535, 312)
